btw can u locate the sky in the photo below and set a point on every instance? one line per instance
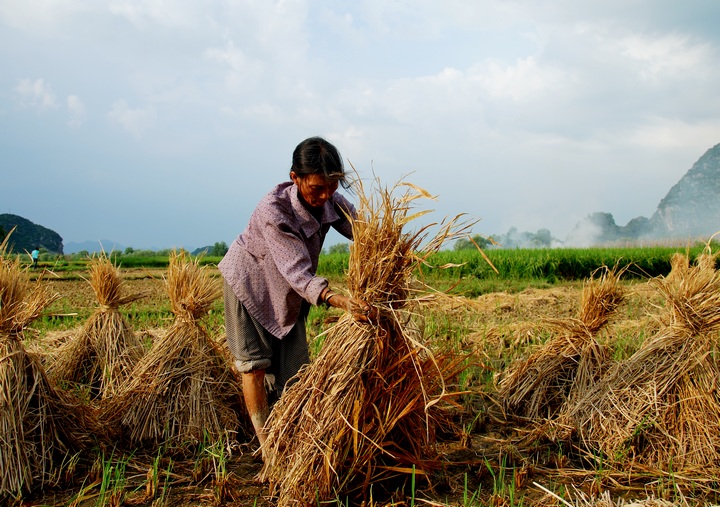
(161, 123)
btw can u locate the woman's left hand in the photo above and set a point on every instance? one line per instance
(362, 311)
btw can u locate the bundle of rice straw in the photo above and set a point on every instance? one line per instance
(184, 390)
(106, 350)
(365, 411)
(660, 408)
(39, 424)
(569, 363)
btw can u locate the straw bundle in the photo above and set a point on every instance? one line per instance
(660, 408)
(38, 423)
(569, 363)
(366, 409)
(106, 350)
(183, 391)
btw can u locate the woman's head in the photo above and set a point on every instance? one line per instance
(317, 156)
(317, 170)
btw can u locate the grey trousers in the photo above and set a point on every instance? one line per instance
(254, 348)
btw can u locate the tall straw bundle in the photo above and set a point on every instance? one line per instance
(366, 409)
(38, 423)
(568, 364)
(660, 408)
(183, 391)
(106, 350)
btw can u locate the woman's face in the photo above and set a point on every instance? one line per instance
(315, 189)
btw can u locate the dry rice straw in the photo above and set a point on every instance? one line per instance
(568, 364)
(39, 424)
(660, 408)
(365, 411)
(106, 349)
(184, 390)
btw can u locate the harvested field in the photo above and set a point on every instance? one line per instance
(488, 458)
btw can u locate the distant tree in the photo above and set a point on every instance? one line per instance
(468, 244)
(524, 239)
(219, 249)
(129, 250)
(339, 248)
(543, 238)
(2, 233)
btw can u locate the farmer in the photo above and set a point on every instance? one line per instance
(269, 275)
(34, 255)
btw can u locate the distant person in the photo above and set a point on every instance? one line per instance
(35, 254)
(269, 275)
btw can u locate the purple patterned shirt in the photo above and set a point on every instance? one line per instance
(271, 266)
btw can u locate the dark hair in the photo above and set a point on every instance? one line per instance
(317, 156)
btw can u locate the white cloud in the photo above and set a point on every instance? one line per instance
(242, 69)
(671, 133)
(35, 94)
(147, 13)
(264, 50)
(76, 108)
(665, 55)
(524, 80)
(41, 16)
(135, 121)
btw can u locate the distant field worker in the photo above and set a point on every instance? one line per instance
(35, 254)
(269, 275)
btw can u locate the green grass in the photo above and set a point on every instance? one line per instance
(514, 266)
(469, 273)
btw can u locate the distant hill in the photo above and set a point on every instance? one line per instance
(692, 206)
(690, 210)
(28, 236)
(218, 249)
(103, 245)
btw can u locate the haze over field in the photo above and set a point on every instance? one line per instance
(161, 123)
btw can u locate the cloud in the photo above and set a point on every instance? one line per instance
(664, 133)
(496, 105)
(135, 121)
(243, 71)
(145, 14)
(76, 109)
(526, 79)
(42, 16)
(35, 94)
(666, 55)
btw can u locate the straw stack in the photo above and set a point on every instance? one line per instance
(660, 408)
(569, 363)
(104, 353)
(39, 424)
(365, 411)
(183, 391)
